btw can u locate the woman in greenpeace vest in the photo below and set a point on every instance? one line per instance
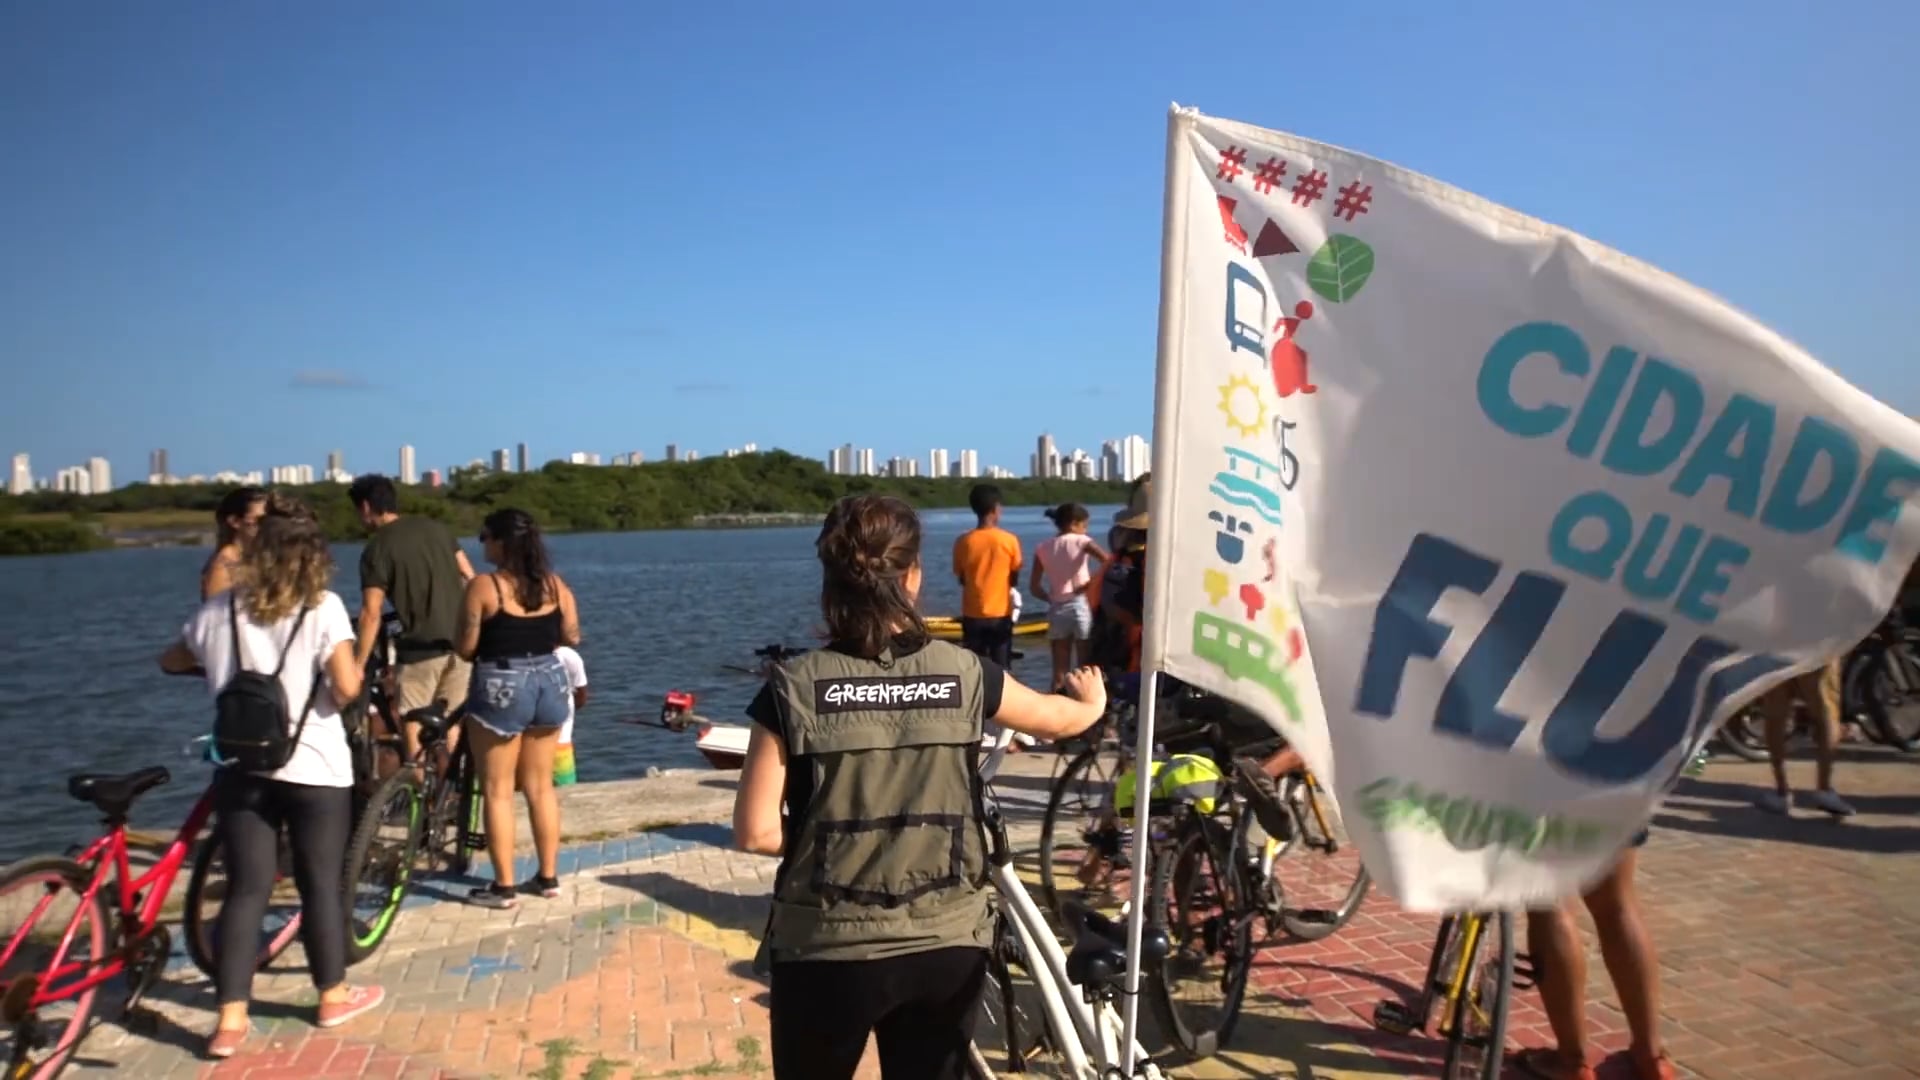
(880, 919)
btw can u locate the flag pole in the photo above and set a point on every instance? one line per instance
(1166, 392)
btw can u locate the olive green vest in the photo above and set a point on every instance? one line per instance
(889, 856)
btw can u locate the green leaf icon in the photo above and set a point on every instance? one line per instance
(1339, 269)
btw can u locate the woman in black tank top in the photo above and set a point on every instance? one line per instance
(512, 621)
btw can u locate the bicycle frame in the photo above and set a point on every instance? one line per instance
(135, 913)
(1090, 1037)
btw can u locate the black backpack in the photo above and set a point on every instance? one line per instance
(250, 716)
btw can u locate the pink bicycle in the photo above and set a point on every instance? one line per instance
(59, 951)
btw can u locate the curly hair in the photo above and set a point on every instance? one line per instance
(867, 546)
(288, 566)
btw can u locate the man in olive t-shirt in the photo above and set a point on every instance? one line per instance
(415, 562)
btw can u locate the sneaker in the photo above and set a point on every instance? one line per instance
(493, 895)
(359, 1000)
(1772, 802)
(548, 887)
(1826, 799)
(1263, 795)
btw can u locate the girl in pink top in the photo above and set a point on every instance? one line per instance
(1062, 572)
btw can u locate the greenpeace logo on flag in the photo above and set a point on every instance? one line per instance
(882, 692)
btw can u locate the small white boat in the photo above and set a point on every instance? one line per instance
(723, 745)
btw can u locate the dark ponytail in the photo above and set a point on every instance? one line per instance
(523, 554)
(867, 547)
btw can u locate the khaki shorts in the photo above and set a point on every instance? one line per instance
(1818, 690)
(443, 678)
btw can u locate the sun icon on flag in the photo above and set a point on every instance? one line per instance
(1245, 409)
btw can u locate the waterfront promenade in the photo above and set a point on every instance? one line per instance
(1791, 948)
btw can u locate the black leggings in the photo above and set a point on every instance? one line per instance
(318, 820)
(919, 1008)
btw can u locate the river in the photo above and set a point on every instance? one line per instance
(659, 611)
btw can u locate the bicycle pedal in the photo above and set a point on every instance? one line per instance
(1394, 1018)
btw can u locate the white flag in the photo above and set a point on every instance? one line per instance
(1495, 523)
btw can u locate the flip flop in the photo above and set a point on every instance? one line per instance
(1545, 1063)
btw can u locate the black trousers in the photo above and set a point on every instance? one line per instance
(318, 821)
(991, 638)
(919, 1008)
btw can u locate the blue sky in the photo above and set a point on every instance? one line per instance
(251, 233)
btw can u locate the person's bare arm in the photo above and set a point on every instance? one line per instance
(345, 673)
(569, 614)
(1054, 716)
(1034, 586)
(460, 560)
(580, 698)
(473, 610)
(1100, 555)
(372, 600)
(757, 825)
(217, 577)
(179, 660)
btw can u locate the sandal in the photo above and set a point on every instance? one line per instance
(1660, 1068)
(1547, 1063)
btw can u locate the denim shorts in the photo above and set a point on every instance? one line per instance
(509, 696)
(1070, 620)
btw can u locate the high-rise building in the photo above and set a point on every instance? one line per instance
(157, 467)
(20, 480)
(336, 462)
(433, 478)
(73, 480)
(863, 462)
(291, 474)
(502, 461)
(636, 458)
(969, 463)
(99, 476)
(1046, 459)
(408, 474)
(1136, 457)
(524, 463)
(936, 462)
(673, 452)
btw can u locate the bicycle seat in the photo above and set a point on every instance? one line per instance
(113, 793)
(1098, 959)
(431, 718)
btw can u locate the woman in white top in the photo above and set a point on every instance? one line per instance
(280, 605)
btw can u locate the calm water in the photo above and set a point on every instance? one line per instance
(659, 611)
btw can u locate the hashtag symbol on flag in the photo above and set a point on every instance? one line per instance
(1267, 174)
(1310, 188)
(1353, 200)
(1233, 162)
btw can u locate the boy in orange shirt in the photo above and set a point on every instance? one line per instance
(987, 562)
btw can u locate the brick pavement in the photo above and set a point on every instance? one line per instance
(1790, 948)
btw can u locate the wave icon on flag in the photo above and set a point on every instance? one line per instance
(1248, 492)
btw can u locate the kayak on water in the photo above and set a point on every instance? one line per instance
(947, 627)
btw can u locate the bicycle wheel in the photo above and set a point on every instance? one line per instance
(1476, 1022)
(1084, 847)
(443, 804)
(1745, 733)
(1887, 701)
(465, 800)
(207, 895)
(39, 899)
(1202, 899)
(1319, 880)
(380, 862)
(1010, 1036)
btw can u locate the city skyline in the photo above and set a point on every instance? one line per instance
(1123, 459)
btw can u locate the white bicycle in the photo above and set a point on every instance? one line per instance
(1056, 1012)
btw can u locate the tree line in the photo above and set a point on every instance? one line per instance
(576, 498)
